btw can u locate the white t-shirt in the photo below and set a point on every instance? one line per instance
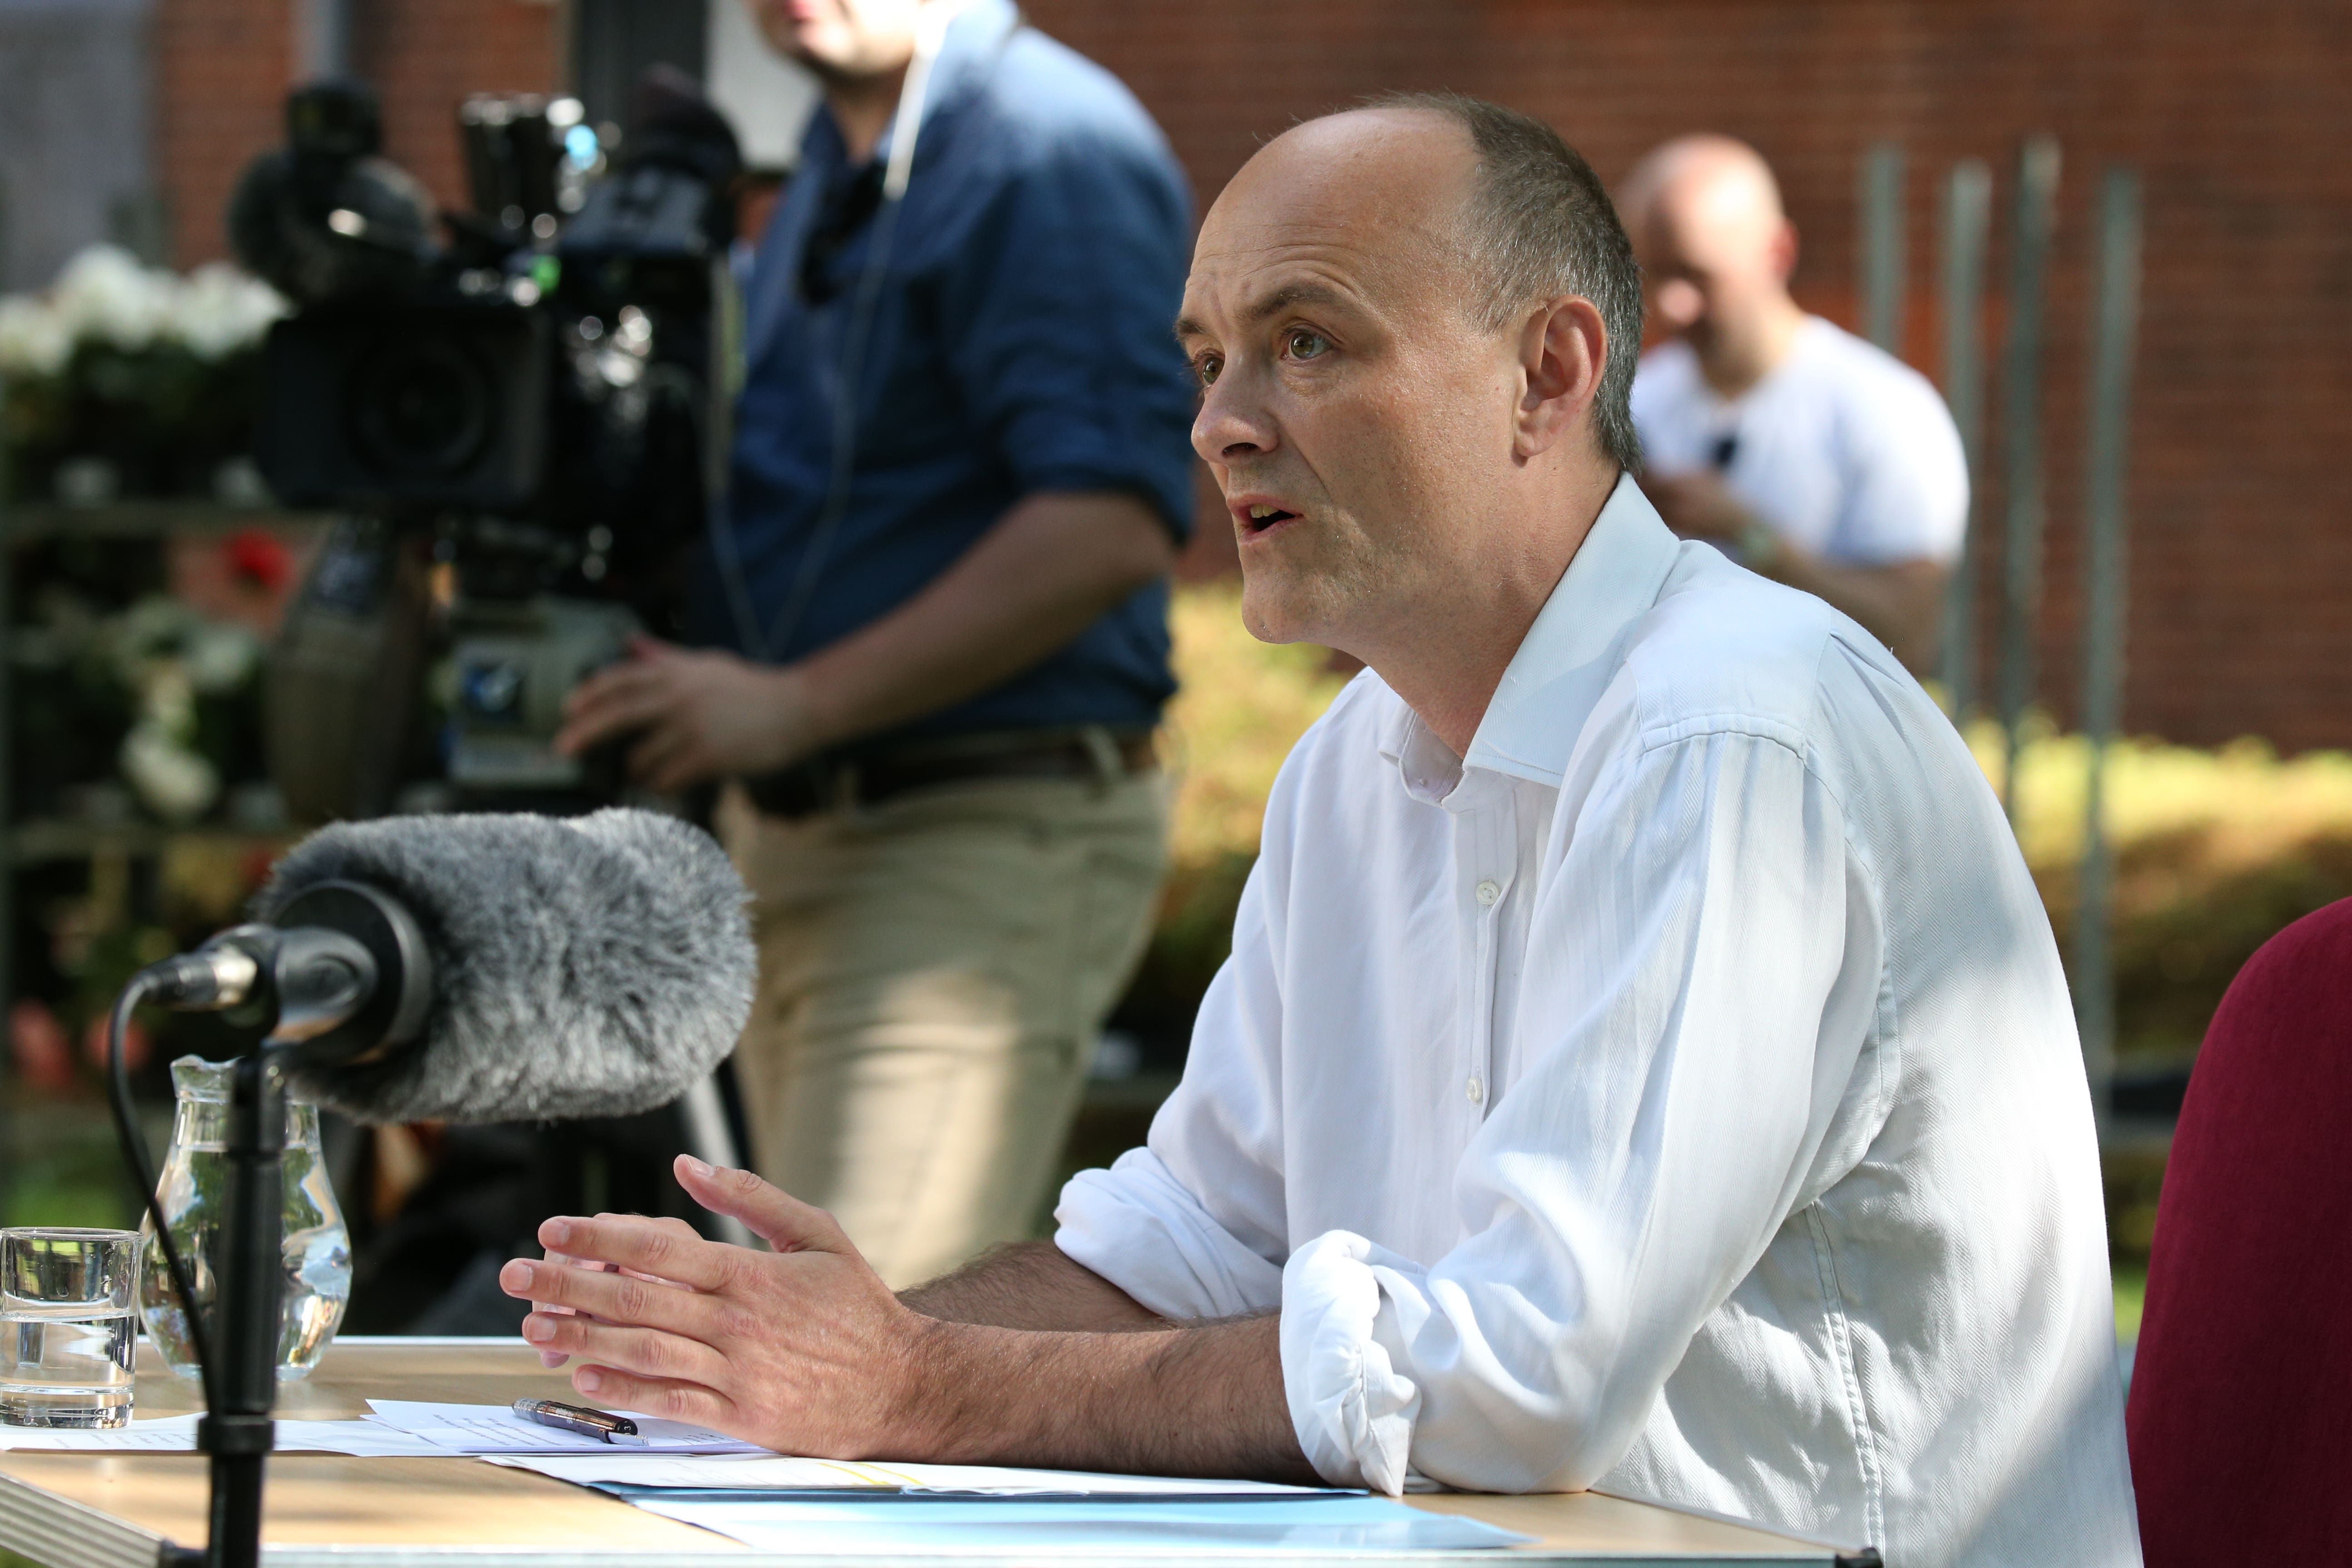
(1844, 449)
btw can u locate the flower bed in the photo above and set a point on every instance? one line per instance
(123, 381)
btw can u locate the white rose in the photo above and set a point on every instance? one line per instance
(104, 295)
(167, 699)
(33, 341)
(221, 654)
(220, 310)
(176, 784)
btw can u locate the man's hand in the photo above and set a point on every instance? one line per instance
(803, 1350)
(1698, 505)
(695, 715)
(806, 1351)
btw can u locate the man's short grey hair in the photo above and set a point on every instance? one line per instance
(1540, 224)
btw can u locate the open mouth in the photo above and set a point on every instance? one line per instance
(1257, 520)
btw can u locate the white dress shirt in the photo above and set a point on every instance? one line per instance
(1844, 450)
(1678, 1096)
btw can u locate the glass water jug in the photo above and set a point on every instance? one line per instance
(194, 1194)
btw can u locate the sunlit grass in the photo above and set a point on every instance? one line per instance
(2131, 1298)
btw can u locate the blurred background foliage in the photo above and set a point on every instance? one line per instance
(2215, 850)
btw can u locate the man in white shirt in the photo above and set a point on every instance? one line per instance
(1643, 1062)
(1810, 456)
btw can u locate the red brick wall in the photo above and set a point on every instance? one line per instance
(2241, 599)
(220, 78)
(2241, 603)
(426, 56)
(223, 68)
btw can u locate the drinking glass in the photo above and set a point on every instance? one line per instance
(68, 1336)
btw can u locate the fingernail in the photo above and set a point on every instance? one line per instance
(516, 1276)
(555, 1232)
(695, 1167)
(587, 1379)
(537, 1329)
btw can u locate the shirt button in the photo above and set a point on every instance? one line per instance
(1488, 892)
(1477, 1090)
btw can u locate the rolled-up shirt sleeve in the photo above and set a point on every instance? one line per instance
(1191, 1225)
(1701, 973)
(1055, 321)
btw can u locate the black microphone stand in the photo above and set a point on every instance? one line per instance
(238, 1432)
(236, 1354)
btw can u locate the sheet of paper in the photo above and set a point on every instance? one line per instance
(159, 1435)
(1317, 1526)
(776, 1472)
(177, 1435)
(496, 1429)
(368, 1438)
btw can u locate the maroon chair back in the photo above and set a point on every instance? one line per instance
(2241, 1393)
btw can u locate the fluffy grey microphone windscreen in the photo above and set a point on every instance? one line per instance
(595, 965)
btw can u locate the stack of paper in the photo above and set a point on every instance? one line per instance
(399, 1428)
(861, 1508)
(496, 1429)
(1314, 1524)
(177, 1435)
(627, 1473)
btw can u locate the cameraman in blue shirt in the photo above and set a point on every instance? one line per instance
(936, 615)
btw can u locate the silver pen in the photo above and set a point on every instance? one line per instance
(600, 1425)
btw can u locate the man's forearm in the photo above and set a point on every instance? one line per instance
(1902, 606)
(1190, 1401)
(1030, 1285)
(1044, 572)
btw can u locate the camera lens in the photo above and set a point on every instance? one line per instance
(422, 406)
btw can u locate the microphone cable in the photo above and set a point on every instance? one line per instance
(142, 1167)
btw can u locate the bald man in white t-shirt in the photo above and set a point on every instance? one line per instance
(1806, 453)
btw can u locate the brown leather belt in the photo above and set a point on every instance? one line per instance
(847, 782)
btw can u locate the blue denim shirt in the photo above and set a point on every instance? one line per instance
(1019, 342)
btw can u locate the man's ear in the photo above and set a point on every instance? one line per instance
(1563, 351)
(1784, 252)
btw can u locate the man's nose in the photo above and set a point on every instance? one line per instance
(1233, 422)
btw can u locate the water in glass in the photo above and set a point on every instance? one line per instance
(194, 1192)
(67, 1337)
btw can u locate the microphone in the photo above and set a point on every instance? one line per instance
(500, 967)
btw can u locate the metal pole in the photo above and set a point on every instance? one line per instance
(1879, 267)
(1968, 219)
(2020, 404)
(8, 1152)
(2115, 324)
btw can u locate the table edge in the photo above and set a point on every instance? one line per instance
(58, 1532)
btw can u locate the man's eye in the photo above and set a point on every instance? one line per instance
(1303, 343)
(1207, 368)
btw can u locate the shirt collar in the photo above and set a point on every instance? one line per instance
(1565, 662)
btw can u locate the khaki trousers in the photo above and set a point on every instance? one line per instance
(933, 972)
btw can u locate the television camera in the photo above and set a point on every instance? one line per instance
(519, 425)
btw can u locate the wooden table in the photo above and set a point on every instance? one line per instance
(328, 1510)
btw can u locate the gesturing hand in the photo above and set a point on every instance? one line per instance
(695, 715)
(804, 1349)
